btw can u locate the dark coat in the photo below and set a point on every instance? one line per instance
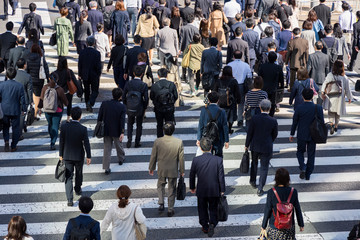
(7, 42)
(132, 60)
(172, 3)
(113, 114)
(117, 57)
(323, 13)
(89, 67)
(296, 91)
(265, 6)
(252, 38)
(137, 85)
(262, 133)
(263, 44)
(95, 17)
(238, 44)
(318, 66)
(206, 7)
(187, 33)
(12, 98)
(17, 53)
(264, 58)
(25, 79)
(284, 11)
(273, 77)
(236, 25)
(64, 77)
(155, 89)
(356, 30)
(120, 24)
(209, 170)
(84, 221)
(33, 66)
(211, 61)
(76, 11)
(298, 52)
(185, 12)
(38, 24)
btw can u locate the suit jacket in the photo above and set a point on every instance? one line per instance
(113, 114)
(12, 98)
(7, 42)
(131, 59)
(284, 12)
(211, 61)
(303, 117)
(262, 133)
(187, 33)
(185, 12)
(205, 5)
(38, 24)
(167, 41)
(16, 53)
(235, 26)
(209, 170)
(273, 77)
(83, 220)
(323, 13)
(73, 139)
(25, 79)
(168, 153)
(266, 5)
(252, 38)
(172, 3)
(318, 66)
(283, 38)
(95, 17)
(263, 44)
(330, 41)
(157, 87)
(238, 44)
(89, 66)
(356, 31)
(298, 52)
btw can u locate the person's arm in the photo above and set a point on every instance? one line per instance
(181, 159)
(201, 124)
(62, 141)
(247, 54)
(62, 96)
(30, 90)
(174, 91)
(89, 30)
(309, 65)
(347, 89)
(146, 97)
(67, 231)
(228, 54)
(250, 133)
(225, 126)
(294, 123)
(297, 207)
(202, 63)
(274, 131)
(23, 24)
(111, 59)
(106, 221)
(157, 40)
(293, 92)
(71, 33)
(192, 176)
(281, 78)
(221, 176)
(156, 23)
(153, 158)
(139, 216)
(101, 113)
(176, 42)
(40, 25)
(267, 211)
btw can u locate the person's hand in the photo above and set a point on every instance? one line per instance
(121, 137)
(226, 145)
(349, 57)
(60, 158)
(222, 193)
(107, 70)
(88, 161)
(323, 96)
(54, 5)
(198, 143)
(291, 138)
(183, 174)
(193, 191)
(125, 76)
(349, 101)
(301, 229)
(246, 148)
(151, 173)
(357, 48)
(39, 112)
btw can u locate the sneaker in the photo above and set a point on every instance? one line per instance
(211, 230)
(302, 175)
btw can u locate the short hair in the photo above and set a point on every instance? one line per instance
(238, 31)
(307, 25)
(137, 39)
(162, 1)
(9, 26)
(249, 13)
(286, 24)
(190, 18)
(258, 82)
(296, 31)
(265, 18)
(249, 23)
(328, 28)
(187, 2)
(213, 97)
(138, 71)
(99, 27)
(205, 144)
(116, 93)
(20, 63)
(90, 41)
(64, 11)
(302, 73)
(265, 105)
(32, 7)
(216, 6)
(109, 2)
(169, 128)
(213, 41)
(338, 68)
(142, 57)
(345, 6)
(269, 31)
(322, 1)
(307, 94)
(119, 40)
(86, 204)
(11, 73)
(166, 21)
(76, 113)
(93, 4)
(282, 177)
(358, 14)
(272, 56)
(119, 5)
(123, 193)
(238, 16)
(196, 37)
(319, 45)
(20, 40)
(237, 54)
(162, 73)
(272, 45)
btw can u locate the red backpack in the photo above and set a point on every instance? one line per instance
(284, 213)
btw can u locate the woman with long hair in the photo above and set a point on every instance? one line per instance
(142, 58)
(83, 30)
(318, 26)
(204, 32)
(64, 33)
(176, 20)
(309, 34)
(122, 215)
(120, 21)
(294, 18)
(33, 38)
(217, 19)
(17, 229)
(117, 61)
(342, 47)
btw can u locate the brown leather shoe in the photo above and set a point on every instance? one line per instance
(13, 149)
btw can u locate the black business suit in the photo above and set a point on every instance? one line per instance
(131, 59)
(13, 4)
(7, 42)
(209, 170)
(323, 13)
(211, 61)
(73, 139)
(261, 135)
(185, 12)
(238, 44)
(206, 7)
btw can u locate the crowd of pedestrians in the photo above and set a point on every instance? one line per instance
(267, 54)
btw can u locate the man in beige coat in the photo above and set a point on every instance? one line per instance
(168, 152)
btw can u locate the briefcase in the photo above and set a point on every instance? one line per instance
(357, 86)
(279, 95)
(99, 130)
(30, 118)
(53, 40)
(181, 189)
(223, 209)
(60, 171)
(245, 162)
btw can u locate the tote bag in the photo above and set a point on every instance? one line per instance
(42, 74)
(186, 59)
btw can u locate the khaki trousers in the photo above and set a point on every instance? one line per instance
(171, 191)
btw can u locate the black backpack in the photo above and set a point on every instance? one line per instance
(165, 99)
(134, 103)
(71, 14)
(60, 3)
(30, 22)
(211, 130)
(81, 232)
(332, 51)
(226, 97)
(107, 19)
(208, 81)
(159, 14)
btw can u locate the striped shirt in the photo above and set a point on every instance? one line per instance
(253, 98)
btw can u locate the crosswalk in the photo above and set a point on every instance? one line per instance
(329, 201)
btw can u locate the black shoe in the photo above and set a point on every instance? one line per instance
(7, 147)
(89, 108)
(253, 185)
(13, 12)
(52, 147)
(350, 69)
(204, 230)
(332, 129)
(231, 131)
(21, 138)
(128, 144)
(70, 204)
(307, 178)
(13, 149)
(211, 230)
(161, 208)
(171, 213)
(108, 171)
(78, 193)
(302, 175)
(137, 145)
(121, 163)
(260, 192)
(335, 129)
(240, 123)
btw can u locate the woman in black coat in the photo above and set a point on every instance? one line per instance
(117, 58)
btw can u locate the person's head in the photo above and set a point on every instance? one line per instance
(307, 94)
(272, 15)
(53, 79)
(205, 144)
(9, 26)
(198, 13)
(11, 73)
(249, 13)
(318, 46)
(249, 23)
(119, 5)
(217, 6)
(137, 39)
(312, 16)
(307, 25)
(337, 30)
(21, 63)
(272, 56)
(64, 11)
(238, 32)
(86, 204)
(286, 24)
(302, 73)
(196, 38)
(213, 41)
(264, 18)
(32, 7)
(269, 31)
(187, 3)
(83, 16)
(271, 46)
(138, 71)
(76, 113)
(16, 228)
(93, 4)
(162, 73)
(265, 105)
(62, 63)
(99, 27)
(119, 40)
(227, 72)
(20, 40)
(213, 97)
(358, 15)
(328, 29)
(142, 57)
(169, 128)
(36, 49)
(293, 3)
(90, 41)
(148, 11)
(345, 6)
(338, 68)
(123, 193)
(166, 22)
(116, 94)
(33, 35)
(175, 12)
(237, 54)
(258, 82)
(322, 1)
(238, 17)
(190, 18)
(282, 177)
(296, 31)
(109, 2)
(162, 2)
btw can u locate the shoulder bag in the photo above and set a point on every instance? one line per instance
(357, 86)
(181, 189)
(30, 118)
(333, 88)
(223, 209)
(60, 171)
(147, 79)
(42, 74)
(245, 162)
(99, 129)
(70, 84)
(140, 228)
(52, 41)
(318, 129)
(186, 59)
(226, 27)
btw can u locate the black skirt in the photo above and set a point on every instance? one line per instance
(148, 43)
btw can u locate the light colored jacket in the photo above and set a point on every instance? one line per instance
(64, 33)
(167, 41)
(309, 35)
(196, 51)
(147, 27)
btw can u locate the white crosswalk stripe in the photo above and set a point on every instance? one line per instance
(329, 201)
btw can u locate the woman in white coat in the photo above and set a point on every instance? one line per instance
(334, 99)
(122, 216)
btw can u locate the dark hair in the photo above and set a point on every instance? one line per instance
(142, 57)
(345, 6)
(16, 228)
(358, 14)
(213, 97)
(338, 68)
(213, 41)
(109, 2)
(21, 63)
(296, 31)
(162, 72)
(237, 54)
(99, 27)
(36, 49)
(269, 31)
(175, 12)
(307, 94)
(190, 18)
(328, 28)
(32, 7)
(90, 41)
(9, 26)
(272, 14)
(319, 45)
(169, 128)
(272, 45)
(76, 113)
(119, 40)
(312, 16)
(123, 193)
(187, 2)
(302, 73)
(337, 30)
(162, 1)
(264, 18)
(198, 13)
(238, 31)
(86, 204)
(11, 73)
(216, 6)
(62, 63)
(53, 79)
(227, 72)
(307, 25)
(20, 40)
(196, 37)
(116, 93)
(33, 35)
(64, 11)
(286, 24)
(137, 39)
(249, 13)
(238, 17)
(138, 71)
(322, 1)
(249, 23)
(148, 11)
(205, 144)
(258, 82)
(83, 15)
(282, 177)
(272, 56)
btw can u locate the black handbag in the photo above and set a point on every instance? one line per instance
(223, 209)
(279, 95)
(60, 171)
(245, 162)
(30, 118)
(357, 86)
(318, 129)
(181, 189)
(2, 65)
(99, 130)
(208, 80)
(52, 41)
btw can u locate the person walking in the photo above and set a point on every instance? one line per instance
(33, 38)
(147, 77)
(133, 8)
(122, 216)
(238, 44)
(168, 154)
(323, 12)
(309, 35)
(252, 39)
(161, 12)
(167, 41)
(17, 227)
(303, 117)
(209, 170)
(83, 30)
(64, 32)
(355, 43)
(120, 22)
(101, 43)
(342, 49)
(74, 11)
(346, 21)
(18, 52)
(281, 192)
(94, 16)
(73, 140)
(132, 57)
(117, 61)
(265, 7)
(294, 18)
(176, 21)
(217, 19)
(31, 21)
(186, 11)
(7, 43)
(318, 26)
(206, 7)
(13, 4)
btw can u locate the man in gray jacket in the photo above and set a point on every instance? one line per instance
(266, 5)
(18, 52)
(167, 41)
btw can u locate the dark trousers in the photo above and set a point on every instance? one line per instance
(302, 147)
(272, 98)
(69, 106)
(16, 131)
(353, 58)
(13, 4)
(119, 77)
(264, 161)
(80, 45)
(217, 150)
(292, 76)
(207, 206)
(53, 120)
(69, 174)
(162, 117)
(94, 87)
(131, 121)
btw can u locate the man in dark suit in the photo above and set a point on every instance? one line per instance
(284, 11)
(265, 6)
(131, 57)
(13, 4)
(162, 12)
(209, 170)
(238, 23)
(272, 48)
(238, 44)
(323, 12)
(94, 16)
(73, 139)
(206, 7)
(302, 119)
(112, 113)
(261, 135)
(18, 52)
(186, 11)
(33, 19)
(89, 69)
(221, 122)
(264, 42)
(85, 205)
(356, 42)
(318, 64)
(7, 42)
(252, 38)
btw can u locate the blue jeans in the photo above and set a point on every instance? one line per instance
(53, 125)
(133, 12)
(302, 147)
(16, 131)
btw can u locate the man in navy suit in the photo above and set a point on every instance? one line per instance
(94, 16)
(209, 170)
(252, 38)
(302, 119)
(261, 135)
(131, 57)
(85, 205)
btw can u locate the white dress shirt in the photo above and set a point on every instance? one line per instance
(346, 20)
(263, 26)
(231, 8)
(133, 4)
(240, 70)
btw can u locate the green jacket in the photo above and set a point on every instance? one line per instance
(195, 55)
(64, 34)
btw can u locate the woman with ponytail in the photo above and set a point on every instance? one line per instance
(82, 31)
(122, 216)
